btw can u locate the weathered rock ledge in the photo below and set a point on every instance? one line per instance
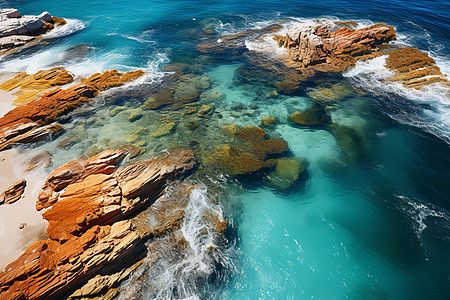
(33, 122)
(17, 31)
(90, 230)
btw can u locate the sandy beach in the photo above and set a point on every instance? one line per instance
(6, 98)
(14, 240)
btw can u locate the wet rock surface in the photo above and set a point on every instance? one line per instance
(90, 233)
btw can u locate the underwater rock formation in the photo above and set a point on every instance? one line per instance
(18, 31)
(316, 115)
(180, 90)
(287, 172)
(250, 152)
(32, 122)
(13, 192)
(89, 231)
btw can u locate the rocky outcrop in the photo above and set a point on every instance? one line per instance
(32, 86)
(336, 51)
(13, 193)
(32, 122)
(413, 68)
(90, 233)
(17, 30)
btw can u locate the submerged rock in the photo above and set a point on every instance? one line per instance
(332, 92)
(250, 152)
(205, 110)
(287, 172)
(316, 115)
(89, 230)
(268, 122)
(13, 192)
(352, 142)
(43, 159)
(164, 129)
(179, 90)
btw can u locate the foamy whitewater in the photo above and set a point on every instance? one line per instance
(370, 223)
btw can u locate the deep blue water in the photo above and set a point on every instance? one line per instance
(371, 228)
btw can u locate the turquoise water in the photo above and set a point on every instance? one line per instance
(367, 225)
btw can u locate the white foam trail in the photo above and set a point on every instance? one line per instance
(182, 273)
(419, 213)
(434, 118)
(72, 26)
(143, 38)
(32, 64)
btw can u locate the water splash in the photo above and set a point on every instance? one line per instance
(186, 271)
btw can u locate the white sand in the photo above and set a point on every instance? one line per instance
(13, 240)
(6, 98)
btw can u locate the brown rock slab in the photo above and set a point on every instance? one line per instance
(13, 192)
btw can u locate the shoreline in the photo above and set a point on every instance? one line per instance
(6, 98)
(14, 241)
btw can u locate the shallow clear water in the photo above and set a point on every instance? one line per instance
(374, 225)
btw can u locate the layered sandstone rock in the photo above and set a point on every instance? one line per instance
(413, 68)
(89, 231)
(32, 122)
(13, 192)
(336, 51)
(32, 86)
(17, 30)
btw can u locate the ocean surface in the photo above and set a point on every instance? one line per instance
(374, 224)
